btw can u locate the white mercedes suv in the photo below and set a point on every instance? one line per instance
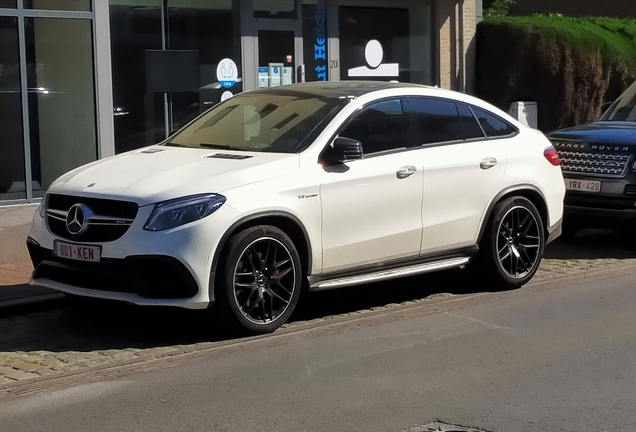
(308, 186)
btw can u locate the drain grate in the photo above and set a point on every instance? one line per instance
(438, 426)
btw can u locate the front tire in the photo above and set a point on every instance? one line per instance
(261, 278)
(513, 243)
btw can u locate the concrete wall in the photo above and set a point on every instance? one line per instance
(449, 34)
(613, 8)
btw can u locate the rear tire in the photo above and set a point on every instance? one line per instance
(512, 246)
(260, 280)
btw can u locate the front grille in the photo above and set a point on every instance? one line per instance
(108, 221)
(601, 164)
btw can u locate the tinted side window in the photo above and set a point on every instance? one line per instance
(435, 121)
(492, 125)
(469, 123)
(379, 127)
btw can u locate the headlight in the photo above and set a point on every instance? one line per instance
(180, 211)
(42, 208)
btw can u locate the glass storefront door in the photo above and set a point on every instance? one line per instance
(61, 99)
(12, 169)
(48, 113)
(276, 55)
(191, 42)
(271, 36)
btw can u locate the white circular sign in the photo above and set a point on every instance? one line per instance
(227, 73)
(226, 95)
(373, 53)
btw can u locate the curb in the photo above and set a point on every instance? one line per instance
(17, 296)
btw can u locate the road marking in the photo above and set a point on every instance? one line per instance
(491, 325)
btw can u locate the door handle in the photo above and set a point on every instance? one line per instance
(488, 163)
(405, 171)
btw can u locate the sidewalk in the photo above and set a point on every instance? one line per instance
(15, 264)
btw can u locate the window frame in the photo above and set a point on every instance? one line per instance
(515, 128)
(412, 114)
(405, 120)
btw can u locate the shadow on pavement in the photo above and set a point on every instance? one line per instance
(99, 325)
(594, 244)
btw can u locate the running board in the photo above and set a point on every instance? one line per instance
(389, 274)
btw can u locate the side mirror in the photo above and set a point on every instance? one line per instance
(347, 149)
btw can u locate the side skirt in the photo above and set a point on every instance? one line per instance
(392, 270)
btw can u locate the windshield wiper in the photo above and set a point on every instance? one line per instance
(214, 146)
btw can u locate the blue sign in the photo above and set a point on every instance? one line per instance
(315, 41)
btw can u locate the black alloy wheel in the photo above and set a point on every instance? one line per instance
(512, 246)
(518, 242)
(262, 275)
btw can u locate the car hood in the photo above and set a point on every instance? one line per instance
(159, 173)
(607, 132)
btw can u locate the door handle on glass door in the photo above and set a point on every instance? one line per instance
(405, 171)
(488, 163)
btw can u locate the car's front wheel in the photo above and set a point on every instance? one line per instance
(512, 246)
(261, 279)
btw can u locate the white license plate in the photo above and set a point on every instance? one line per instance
(77, 252)
(583, 185)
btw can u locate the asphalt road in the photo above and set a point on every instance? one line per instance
(553, 357)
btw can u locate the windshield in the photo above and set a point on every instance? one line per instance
(277, 122)
(624, 109)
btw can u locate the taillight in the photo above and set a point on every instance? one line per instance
(552, 156)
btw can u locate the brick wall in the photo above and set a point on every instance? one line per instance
(614, 8)
(449, 35)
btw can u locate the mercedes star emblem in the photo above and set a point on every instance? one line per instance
(77, 219)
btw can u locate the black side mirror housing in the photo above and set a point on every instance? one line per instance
(347, 149)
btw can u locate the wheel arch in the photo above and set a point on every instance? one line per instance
(528, 191)
(286, 222)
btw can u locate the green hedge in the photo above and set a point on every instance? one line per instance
(569, 66)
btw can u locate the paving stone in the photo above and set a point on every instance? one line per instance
(26, 366)
(158, 352)
(19, 375)
(5, 380)
(43, 371)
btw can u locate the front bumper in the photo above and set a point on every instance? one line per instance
(599, 211)
(167, 268)
(614, 204)
(150, 277)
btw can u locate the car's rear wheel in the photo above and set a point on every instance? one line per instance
(512, 247)
(261, 279)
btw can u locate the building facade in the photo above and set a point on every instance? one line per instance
(85, 79)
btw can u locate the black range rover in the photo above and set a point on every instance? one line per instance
(599, 167)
